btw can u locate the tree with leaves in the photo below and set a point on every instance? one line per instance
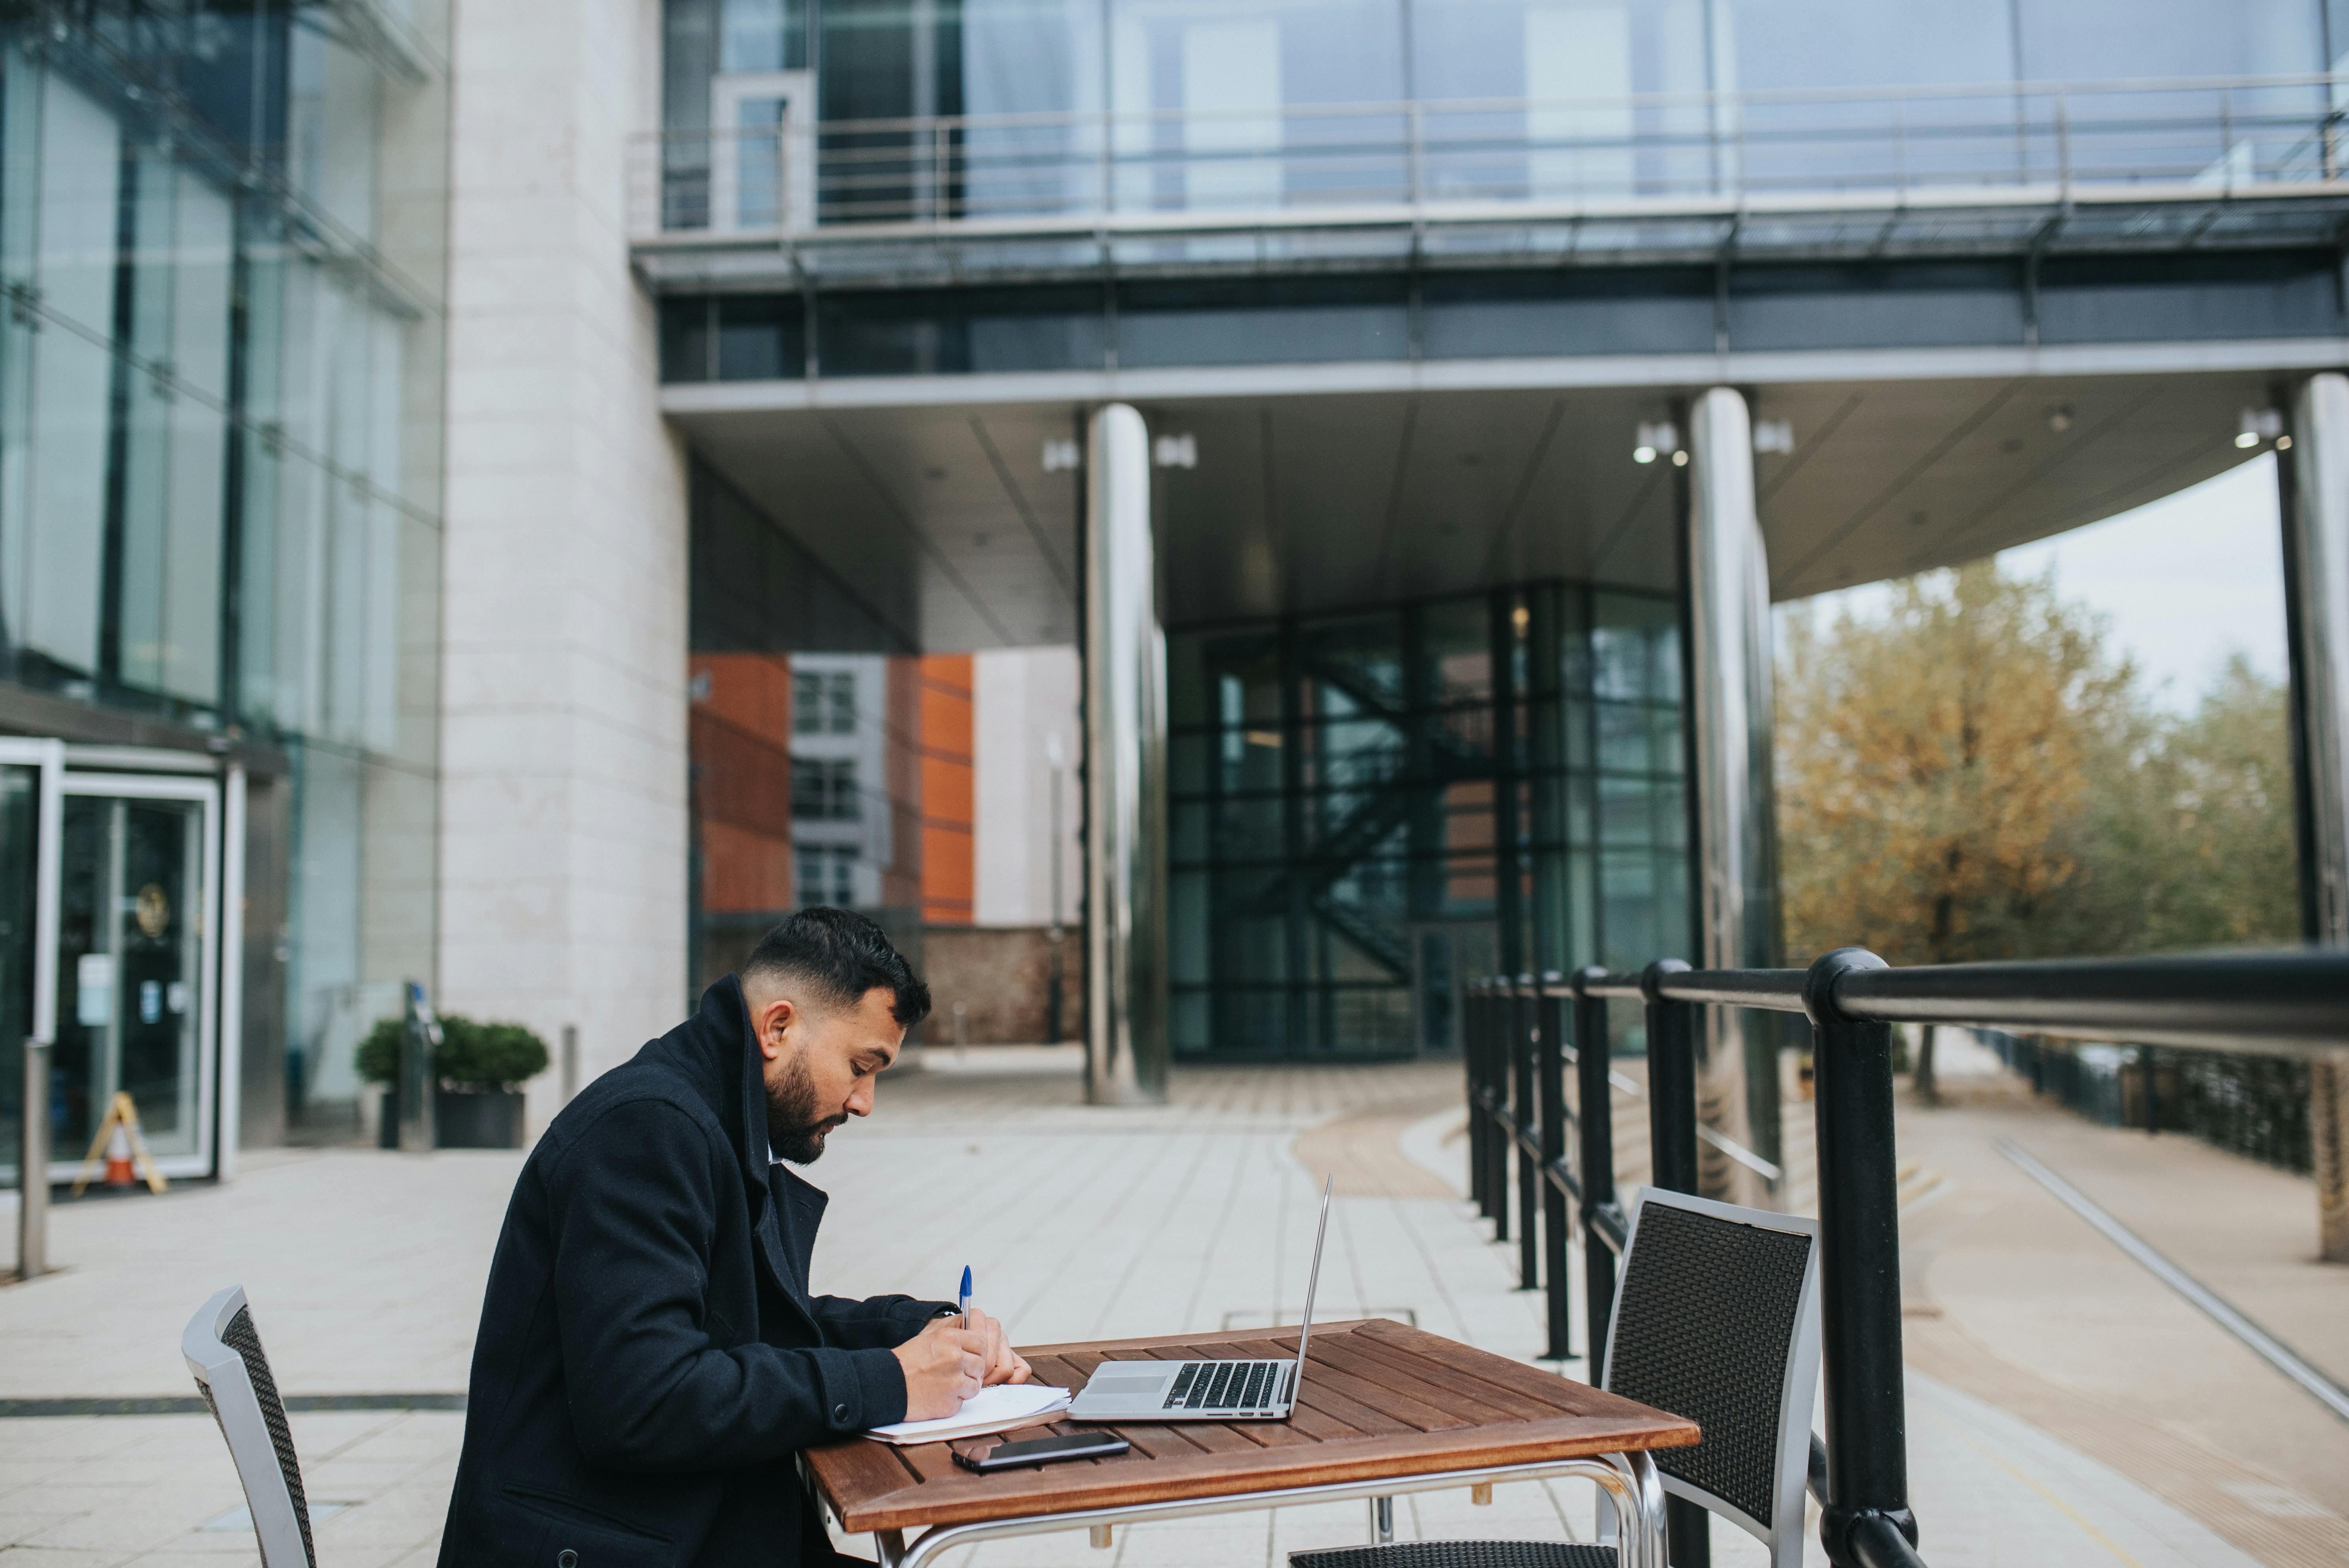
(1972, 776)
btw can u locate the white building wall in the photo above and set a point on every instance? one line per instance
(563, 821)
(1020, 697)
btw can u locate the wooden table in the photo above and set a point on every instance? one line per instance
(1383, 1409)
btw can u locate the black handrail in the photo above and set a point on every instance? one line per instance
(1518, 1044)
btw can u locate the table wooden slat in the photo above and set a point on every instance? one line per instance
(1379, 1402)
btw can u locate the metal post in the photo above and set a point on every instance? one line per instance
(1382, 1522)
(1731, 708)
(1472, 1026)
(2314, 485)
(33, 1166)
(1673, 1165)
(1496, 1144)
(419, 1039)
(1596, 1125)
(2152, 1093)
(1125, 675)
(1859, 1270)
(1550, 1011)
(1525, 1035)
(1480, 1079)
(1671, 1081)
(1053, 987)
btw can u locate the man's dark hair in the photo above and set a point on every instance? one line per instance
(840, 955)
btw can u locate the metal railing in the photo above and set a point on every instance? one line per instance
(1523, 1033)
(1067, 173)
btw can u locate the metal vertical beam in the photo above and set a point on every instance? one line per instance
(1524, 1043)
(1672, 1034)
(1504, 1047)
(33, 1165)
(1671, 1081)
(1125, 769)
(1596, 1125)
(231, 1034)
(2314, 483)
(1472, 1055)
(1551, 1055)
(1729, 686)
(1859, 1272)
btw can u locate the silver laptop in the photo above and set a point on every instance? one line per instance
(1205, 1390)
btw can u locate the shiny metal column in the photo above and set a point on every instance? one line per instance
(2314, 479)
(1125, 769)
(1736, 848)
(33, 1165)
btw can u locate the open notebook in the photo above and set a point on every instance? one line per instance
(1003, 1408)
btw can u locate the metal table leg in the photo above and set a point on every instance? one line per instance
(1383, 1521)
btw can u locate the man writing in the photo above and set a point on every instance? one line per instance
(651, 1356)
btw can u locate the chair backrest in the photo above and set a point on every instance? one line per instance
(223, 1351)
(1717, 1319)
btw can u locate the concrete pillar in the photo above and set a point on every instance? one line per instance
(2315, 478)
(1124, 769)
(563, 763)
(1728, 586)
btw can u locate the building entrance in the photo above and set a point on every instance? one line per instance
(1365, 808)
(111, 920)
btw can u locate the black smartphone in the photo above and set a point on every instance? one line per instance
(1044, 1451)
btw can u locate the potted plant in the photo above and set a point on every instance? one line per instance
(477, 1101)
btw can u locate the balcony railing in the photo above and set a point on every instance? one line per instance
(1492, 161)
(1524, 1033)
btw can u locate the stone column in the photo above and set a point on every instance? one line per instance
(563, 842)
(2314, 479)
(1124, 769)
(1728, 586)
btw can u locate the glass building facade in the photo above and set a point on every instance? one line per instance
(1203, 104)
(222, 245)
(1368, 809)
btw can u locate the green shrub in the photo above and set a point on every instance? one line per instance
(379, 1058)
(473, 1054)
(487, 1056)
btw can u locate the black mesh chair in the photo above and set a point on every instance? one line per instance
(1716, 1318)
(223, 1351)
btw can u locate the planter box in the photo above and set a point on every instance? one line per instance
(466, 1120)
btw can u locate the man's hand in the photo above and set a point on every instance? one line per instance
(945, 1364)
(1003, 1363)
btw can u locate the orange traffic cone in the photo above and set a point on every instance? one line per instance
(117, 1157)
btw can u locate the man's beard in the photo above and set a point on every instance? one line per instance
(796, 1127)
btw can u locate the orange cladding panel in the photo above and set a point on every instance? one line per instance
(946, 746)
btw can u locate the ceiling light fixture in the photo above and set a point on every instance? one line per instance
(2258, 425)
(1061, 455)
(1655, 438)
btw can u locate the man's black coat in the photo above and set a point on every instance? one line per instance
(650, 1358)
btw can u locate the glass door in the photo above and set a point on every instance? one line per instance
(136, 956)
(762, 159)
(29, 805)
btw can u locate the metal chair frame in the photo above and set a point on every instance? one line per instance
(280, 1513)
(1790, 1466)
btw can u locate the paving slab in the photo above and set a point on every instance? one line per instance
(366, 1271)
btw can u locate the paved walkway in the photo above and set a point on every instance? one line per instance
(365, 1272)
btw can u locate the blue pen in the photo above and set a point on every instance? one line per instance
(966, 1295)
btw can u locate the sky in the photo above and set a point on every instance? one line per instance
(2182, 582)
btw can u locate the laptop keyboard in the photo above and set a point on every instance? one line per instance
(1228, 1386)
